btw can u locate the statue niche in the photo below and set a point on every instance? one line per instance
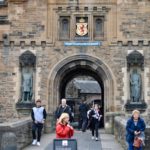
(27, 66)
(135, 68)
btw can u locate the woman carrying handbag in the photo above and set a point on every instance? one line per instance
(135, 131)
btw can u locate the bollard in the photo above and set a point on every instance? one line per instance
(9, 141)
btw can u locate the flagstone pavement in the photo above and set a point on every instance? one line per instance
(84, 142)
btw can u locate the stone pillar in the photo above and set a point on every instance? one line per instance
(109, 121)
(9, 141)
(50, 123)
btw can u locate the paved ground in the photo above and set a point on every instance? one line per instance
(106, 142)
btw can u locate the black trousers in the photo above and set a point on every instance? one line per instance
(94, 128)
(37, 130)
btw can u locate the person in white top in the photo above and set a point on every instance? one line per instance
(95, 117)
(38, 115)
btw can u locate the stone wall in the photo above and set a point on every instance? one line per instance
(133, 19)
(20, 130)
(28, 19)
(120, 132)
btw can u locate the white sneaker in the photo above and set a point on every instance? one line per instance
(34, 142)
(38, 144)
(92, 138)
(96, 139)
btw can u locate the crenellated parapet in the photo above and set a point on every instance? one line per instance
(23, 44)
(134, 43)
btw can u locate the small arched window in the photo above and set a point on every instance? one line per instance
(98, 27)
(64, 28)
(65, 24)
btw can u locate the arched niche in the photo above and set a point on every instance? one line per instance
(135, 73)
(27, 65)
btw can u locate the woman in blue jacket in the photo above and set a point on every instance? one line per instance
(135, 127)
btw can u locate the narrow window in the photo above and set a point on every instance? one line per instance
(98, 27)
(64, 28)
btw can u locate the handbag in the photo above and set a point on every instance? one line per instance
(137, 142)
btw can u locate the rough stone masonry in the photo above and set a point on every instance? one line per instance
(37, 27)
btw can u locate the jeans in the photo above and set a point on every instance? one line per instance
(83, 124)
(94, 129)
(36, 131)
(131, 147)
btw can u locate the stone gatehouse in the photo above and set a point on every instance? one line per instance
(56, 40)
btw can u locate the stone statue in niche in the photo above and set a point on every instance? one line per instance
(135, 86)
(27, 85)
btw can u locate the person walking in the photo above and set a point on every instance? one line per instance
(63, 108)
(95, 117)
(83, 116)
(135, 128)
(38, 116)
(63, 129)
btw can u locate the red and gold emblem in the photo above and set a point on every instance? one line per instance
(82, 27)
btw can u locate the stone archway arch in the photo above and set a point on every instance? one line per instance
(82, 62)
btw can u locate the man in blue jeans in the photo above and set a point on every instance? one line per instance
(83, 116)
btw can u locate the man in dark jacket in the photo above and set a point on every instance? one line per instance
(83, 116)
(63, 108)
(135, 127)
(38, 115)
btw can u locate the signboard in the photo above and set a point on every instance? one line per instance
(64, 144)
(82, 43)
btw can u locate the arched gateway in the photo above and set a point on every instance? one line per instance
(72, 66)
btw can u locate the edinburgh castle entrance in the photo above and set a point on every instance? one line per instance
(47, 47)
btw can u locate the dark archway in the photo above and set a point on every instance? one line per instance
(73, 66)
(81, 71)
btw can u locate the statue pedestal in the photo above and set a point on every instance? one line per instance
(141, 106)
(24, 108)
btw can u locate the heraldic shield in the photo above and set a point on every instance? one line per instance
(82, 29)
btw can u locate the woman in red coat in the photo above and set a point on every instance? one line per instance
(63, 129)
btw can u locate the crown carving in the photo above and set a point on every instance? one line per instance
(82, 20)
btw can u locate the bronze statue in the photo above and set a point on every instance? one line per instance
(27, 85)
(135, 86)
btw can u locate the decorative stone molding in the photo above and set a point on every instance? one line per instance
(24, 109)
(134, 43)
(27, 59)
(135, 58)
(140, 106)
